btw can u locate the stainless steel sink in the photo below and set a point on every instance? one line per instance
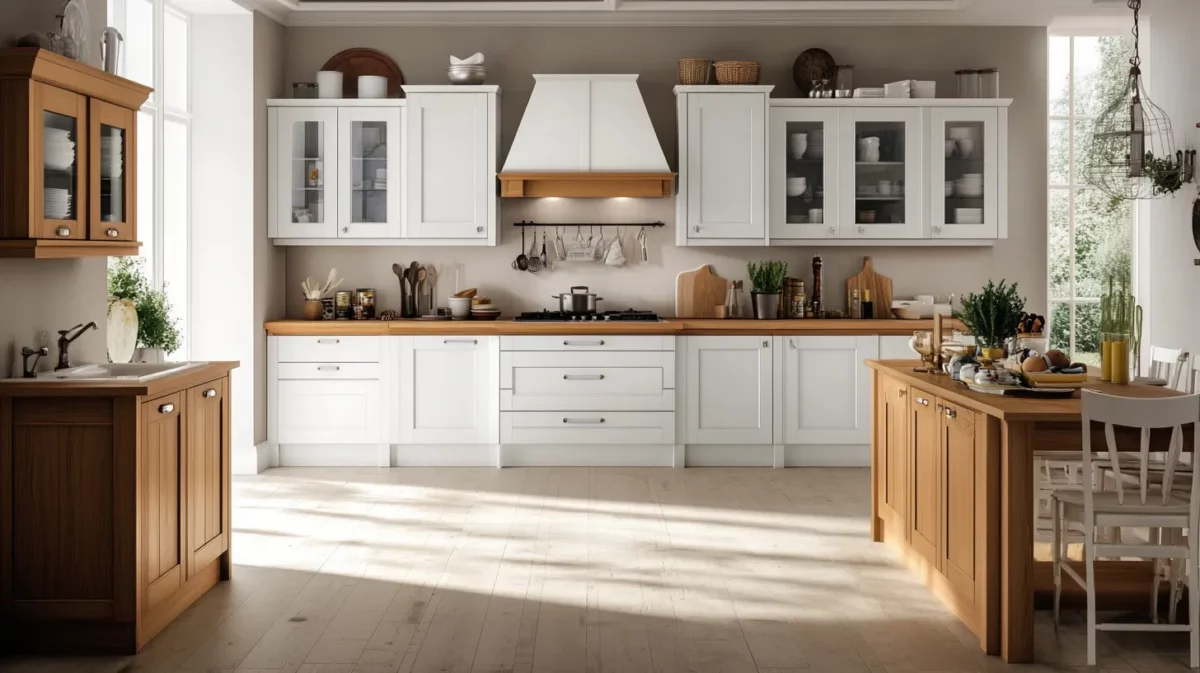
(136, 372)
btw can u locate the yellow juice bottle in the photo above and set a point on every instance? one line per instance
(1119, 369)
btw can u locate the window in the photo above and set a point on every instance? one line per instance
(1090, 236)
(157, 54)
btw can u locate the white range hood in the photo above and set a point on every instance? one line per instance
(586, 136)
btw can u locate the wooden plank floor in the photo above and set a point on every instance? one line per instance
(575, 569)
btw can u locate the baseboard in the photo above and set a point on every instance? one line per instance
(588, 455)
(252, 460)
(329, 455)
(444, 455)
(729, 455)
(831, 455)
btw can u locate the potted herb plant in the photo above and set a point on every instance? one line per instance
(992, 316)
(157, 332)
(767, 279)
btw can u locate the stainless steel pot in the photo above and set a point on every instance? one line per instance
(578, 301)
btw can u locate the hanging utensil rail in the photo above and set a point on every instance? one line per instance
(588, 224)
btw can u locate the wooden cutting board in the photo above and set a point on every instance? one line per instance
(879, 285)
(699, 292)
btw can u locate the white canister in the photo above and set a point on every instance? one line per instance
(372, 86)
(329, 84)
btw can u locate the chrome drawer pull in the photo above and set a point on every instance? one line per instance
(951, 414)
(922, 401)
(583, 377)
(166, 408)
(583, 343)
(329, 342)
(328, 368)
(461, 341)
(62, 231)
(211, 392)
(111, 233)
(589, 421)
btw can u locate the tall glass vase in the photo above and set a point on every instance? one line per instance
(1118, 354)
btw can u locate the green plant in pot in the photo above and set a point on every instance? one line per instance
(157, 332)
(992, 316)
(767, 279)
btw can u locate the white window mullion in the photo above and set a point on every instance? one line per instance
(159, 147)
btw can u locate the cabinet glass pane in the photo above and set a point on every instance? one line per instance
(879, 169)
(369, 171)
(60, 161)
(806, 172)
(112, 173)
(965, 166)
(308, 172)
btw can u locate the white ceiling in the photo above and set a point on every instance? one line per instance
(691, 12)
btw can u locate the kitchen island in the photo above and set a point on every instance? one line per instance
(953, 492)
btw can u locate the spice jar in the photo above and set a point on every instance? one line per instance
(342, 305)
(799, 307)
(968, 83)
(366, 299)
(989, 83)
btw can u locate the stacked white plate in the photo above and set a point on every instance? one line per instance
(111, 155)
(56, 203)
(58, 149)
(816, 144)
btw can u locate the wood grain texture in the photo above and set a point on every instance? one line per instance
(163, 489)
(16, 150)
(925, 477)
(101, 115)
(65, 249)
(699, 292)
(80, 389)
(207, 467)
(1016, 542)
(586, 185)
(879, 285)
(67, 73)
(53, 100)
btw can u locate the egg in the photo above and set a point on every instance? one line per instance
(1057, 359)
(1034, 365)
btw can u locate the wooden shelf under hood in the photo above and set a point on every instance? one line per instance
(586, 185)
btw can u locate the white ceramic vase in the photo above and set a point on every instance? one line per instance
(122, 330)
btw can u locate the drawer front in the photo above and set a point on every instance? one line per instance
(576, 342)
(321, 371)
(330, 349)
(587, 388)
(628, 427)
(590, 361)
(329, 412)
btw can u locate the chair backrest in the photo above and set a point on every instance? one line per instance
(1143, 414)
(1167, 364)
(1193, 376)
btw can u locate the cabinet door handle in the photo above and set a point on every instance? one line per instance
(329, 342)
(951, 414)
(111, 233)
(345, 230)
(166, 408)
(62, 231)
(461, 341)
(479, 230)
(939, 407)
(833, 231)
(585, 421)
(696, 229)
(922, 401)
(328, 368)
(583, 343)
(211, 392)
(903, 392)
(792, 343)
(583, 377)
(766, 344)
(862, 230)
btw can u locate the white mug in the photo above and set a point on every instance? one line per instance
(329, 84)
(885, 187)
(816, 215)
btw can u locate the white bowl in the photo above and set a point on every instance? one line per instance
(912, 310)
(460, 307)
(796, 186)
(372, 86)
(466, 74)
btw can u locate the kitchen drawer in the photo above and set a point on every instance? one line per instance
(587, 360)
(329, 370)
(330, 349)
(587, 388)
(608, 427)
(584, 342)
(329, 412)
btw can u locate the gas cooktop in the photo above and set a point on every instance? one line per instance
(628, 315)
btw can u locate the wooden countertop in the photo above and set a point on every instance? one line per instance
(153, 388)
(1009, 408)
(678, 326)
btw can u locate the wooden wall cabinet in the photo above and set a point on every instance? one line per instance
(68, 157)
(114, 511)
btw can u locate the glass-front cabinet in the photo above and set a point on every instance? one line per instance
(880, 156)
(369, 156)
(804, 190)
(113, 181)
(964, 187)
(58, 202)
(306, 189)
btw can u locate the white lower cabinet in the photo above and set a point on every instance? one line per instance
(329, 411)
(729, 390)
(448, 388)
(826, 389)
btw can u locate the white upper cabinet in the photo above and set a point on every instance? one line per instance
(826, 389)
(452, 138)
(729, 389)
(722, 196)
(304, 174)
(370, 172)
(803, 172)
(881, 174)
(966, 181)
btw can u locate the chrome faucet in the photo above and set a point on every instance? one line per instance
(28, 370)
(64, 343)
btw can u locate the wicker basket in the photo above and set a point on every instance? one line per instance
(694, 70)
(737, 72)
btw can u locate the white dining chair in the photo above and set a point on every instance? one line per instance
(1168, 364)
(1140, 502)
(1192, 375)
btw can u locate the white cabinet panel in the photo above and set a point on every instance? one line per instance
(882, 173)
(896, 348)
(804, 172)
(965, 147)
(451, 190)
(329, 412)
(370, 173)
(729, 389)
(448, 386)
(587, 427)
(577, 342)
(302, 146)
(827, 389)
(330, 349)
(725, 176)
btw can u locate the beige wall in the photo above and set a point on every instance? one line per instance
(49, 294)
(881, 54)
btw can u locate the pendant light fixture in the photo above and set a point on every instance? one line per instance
(1132, 149)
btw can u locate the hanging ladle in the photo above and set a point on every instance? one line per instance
(522, 262)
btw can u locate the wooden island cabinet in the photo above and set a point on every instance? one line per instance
(114, 508)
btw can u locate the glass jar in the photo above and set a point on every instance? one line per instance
(845, 81)
(799, 308)
(366, 299)
(989, 83)
(1114, 357)
(968, 83)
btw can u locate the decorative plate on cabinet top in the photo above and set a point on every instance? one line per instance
(362, 61)
(812, 64)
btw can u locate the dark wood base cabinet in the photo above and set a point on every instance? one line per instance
(114, 511)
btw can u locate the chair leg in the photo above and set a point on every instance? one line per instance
(1056, 556)
(1089, 546)
(1159, 564)
(1194, 600)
